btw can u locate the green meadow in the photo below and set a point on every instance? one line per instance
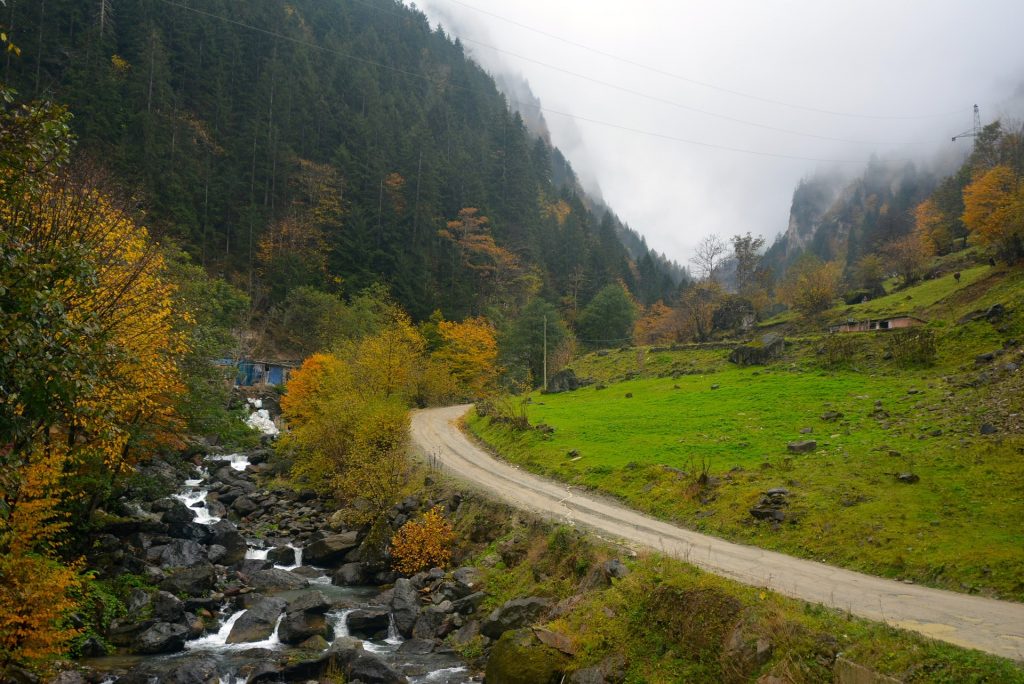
(694, 439)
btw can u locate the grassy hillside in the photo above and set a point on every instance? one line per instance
(692, 438)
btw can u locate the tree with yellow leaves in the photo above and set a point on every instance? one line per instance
(811, 285)
(89, 344)
(994, 211)
(469, 352)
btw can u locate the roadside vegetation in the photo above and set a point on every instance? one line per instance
(653, 618)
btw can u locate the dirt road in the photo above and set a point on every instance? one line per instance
(974, 622)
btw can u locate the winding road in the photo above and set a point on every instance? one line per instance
(989, 625)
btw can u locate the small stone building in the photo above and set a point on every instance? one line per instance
(876, 324)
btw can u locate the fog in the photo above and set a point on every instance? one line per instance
(695, 117)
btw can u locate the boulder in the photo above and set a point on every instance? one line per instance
(350, 574)
(405, 606)
(162, 637)
(178, 512)
(310, 602)
(193, 581)
(520, 612)
(370, 623)
(281, 555)
(804, 446)
(245, 506)
(276, 579)
(468, 604)
(257, 623)
(758, 352)
(299, 626)
(433, 622)
(167, 606)
(225, 534)
(182, 553)
(331, 549)
(370, 669)
(519, 657)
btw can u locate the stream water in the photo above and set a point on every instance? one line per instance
(438, 667)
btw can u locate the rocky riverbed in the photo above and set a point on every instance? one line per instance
(267, 585)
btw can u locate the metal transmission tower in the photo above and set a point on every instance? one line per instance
(973, 132)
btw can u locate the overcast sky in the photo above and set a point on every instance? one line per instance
(892, 78)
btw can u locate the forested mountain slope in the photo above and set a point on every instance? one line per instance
(324, 144)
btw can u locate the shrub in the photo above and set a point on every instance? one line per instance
(914, 347)
(422, 544)
(839, 351)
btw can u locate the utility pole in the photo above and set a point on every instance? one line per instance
(545, 353)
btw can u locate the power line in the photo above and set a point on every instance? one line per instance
(686, 107)
(648, 96)
(542, 108)
(693, 81)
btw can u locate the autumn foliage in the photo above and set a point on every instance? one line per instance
(90, 341)
(994, 210)
(422, 544)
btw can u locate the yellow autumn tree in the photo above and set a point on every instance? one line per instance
(933, 228)
(348, 417)
(90, 342)
(469, 352)
(994, 211)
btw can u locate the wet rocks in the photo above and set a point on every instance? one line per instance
(182, 553)
(297, 627)
(193, 581)
(405, 606)
(281, 555)
(162, 637)
(370, 623)
(276, 579)
(331, 549)
(351, 574)
(258, 622)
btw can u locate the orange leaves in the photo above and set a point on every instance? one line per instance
(469, 351)
(422, 544)
(994, 210)
(34, 590)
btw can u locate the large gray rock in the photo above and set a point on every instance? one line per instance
(167, 606)
(310, 602)
(370, 669)
(194, 581)
(163, 637)
(759, 352)
(331, 549)
(281, 555)
(258, 622)
(433, 622)
(405, 606)
(520, 612)
(182, 553)
(369, 623)
(805, 446)
(178, 512)
(225, 534)
(298, 626)
(350, 574)
(276, 579)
